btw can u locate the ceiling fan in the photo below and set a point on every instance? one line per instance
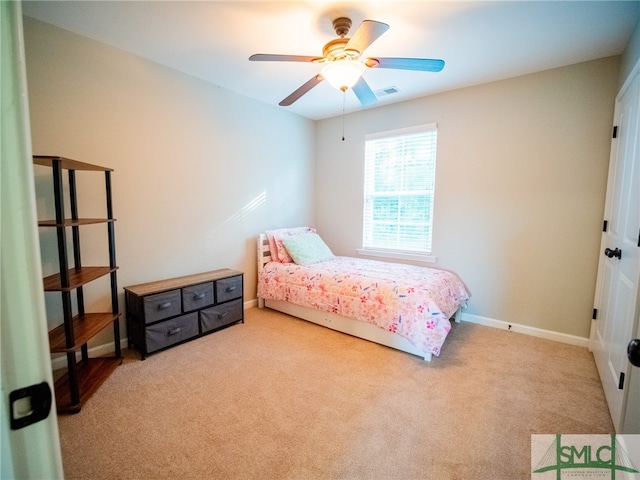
(343, 67)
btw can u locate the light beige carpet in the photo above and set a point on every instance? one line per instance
(280, 398)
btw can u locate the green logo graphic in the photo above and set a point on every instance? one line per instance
(589, 457)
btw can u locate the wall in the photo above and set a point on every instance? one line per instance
(520, 187)
(199, 171)
(631, 54)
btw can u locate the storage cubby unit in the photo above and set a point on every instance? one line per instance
(83, 375)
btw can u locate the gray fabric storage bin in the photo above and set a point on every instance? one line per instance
(228, 288)
(162, 305)
(171, 331)
(221, 315)
(197, 296)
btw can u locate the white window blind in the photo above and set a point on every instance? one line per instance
(399, 183)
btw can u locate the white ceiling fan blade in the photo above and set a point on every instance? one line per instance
(364, 93)
(267, 57)
(419, 64)
(301, 91)
(367, 33)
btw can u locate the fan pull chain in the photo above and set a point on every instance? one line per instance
(344, 96)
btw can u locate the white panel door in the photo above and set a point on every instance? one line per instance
(29, 444)
(619, 268)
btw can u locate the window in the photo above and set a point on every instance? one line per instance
(399, 183)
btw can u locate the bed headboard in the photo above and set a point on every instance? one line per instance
(264, 254)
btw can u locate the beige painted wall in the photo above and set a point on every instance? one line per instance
(631, 54)
(199, 171)
(520, 186)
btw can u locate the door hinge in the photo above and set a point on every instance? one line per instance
(639, 237)
(605, 224)
(621, 381)
(615, 131)
(595, 314)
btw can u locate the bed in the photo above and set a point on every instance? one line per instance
(405, 307)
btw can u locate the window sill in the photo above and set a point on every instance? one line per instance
(416, 257)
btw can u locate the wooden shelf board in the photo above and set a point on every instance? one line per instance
(77, 278)
(67, 163)
(74, 222)
(84, 328)
(91, 374)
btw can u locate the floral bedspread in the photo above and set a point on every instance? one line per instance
(414, 302)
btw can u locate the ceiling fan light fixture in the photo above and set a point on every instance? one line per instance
(343, 74)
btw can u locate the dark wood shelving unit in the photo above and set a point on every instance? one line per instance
(84, 376)
(91, 373)
(75, 278)
(70, 222)
(85, 327)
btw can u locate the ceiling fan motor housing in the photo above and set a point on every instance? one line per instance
(342, 25)
(334, 50)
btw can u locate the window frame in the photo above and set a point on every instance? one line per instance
(396, 253)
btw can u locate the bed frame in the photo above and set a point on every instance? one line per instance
(346, 325)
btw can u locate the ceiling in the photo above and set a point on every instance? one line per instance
(479, 41)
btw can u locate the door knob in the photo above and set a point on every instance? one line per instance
(613, 253)
(633, 352)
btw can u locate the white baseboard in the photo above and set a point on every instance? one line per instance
(60, 361)
(251, 303)
(527, 330)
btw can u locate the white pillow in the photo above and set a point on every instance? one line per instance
(307, 248)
